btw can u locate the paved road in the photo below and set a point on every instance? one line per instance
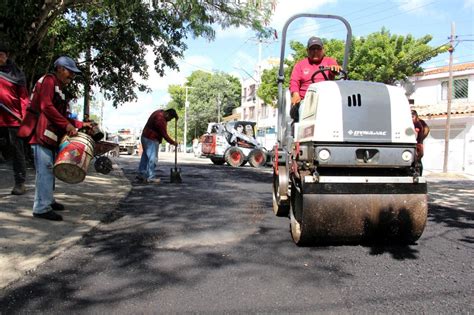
(212, 244)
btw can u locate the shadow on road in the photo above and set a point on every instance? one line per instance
(176, 235)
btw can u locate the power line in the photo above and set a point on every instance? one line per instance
(302, 29)
(234, 51)
(198, 67)
(372, 14)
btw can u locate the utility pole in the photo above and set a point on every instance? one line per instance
(102, 113)
(186, 105)
(259, 65)
(450, 95)
(87, 84)
(218, 108)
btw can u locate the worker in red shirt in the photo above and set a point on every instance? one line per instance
(303, 70)
(152, 135)
(13, 102)
(422, 130)
(46, 123)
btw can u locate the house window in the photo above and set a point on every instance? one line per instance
(460, 89)
(251, 113)
(264, 111)
(251, 93)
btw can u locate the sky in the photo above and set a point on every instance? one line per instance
(236, 50)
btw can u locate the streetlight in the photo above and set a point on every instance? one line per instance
(186, 105)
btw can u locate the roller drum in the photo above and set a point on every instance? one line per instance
(355, 218)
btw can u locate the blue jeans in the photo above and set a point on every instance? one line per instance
(44, 186)
(146, 169)
(16, 147)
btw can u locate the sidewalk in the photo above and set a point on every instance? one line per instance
(439, 175)
(26, 242)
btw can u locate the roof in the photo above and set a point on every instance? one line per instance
(445, 69)
(457, 108)
(232, 117)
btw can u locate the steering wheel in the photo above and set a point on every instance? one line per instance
(342, 75)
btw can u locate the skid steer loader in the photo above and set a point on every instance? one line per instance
(347, 172)
(233, 143)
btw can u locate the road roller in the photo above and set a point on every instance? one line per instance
(346, 171)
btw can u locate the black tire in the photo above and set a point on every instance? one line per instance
(257, 158)
(234, 156)
(217, 161)
(297, 229)
(281, 205)
(103, 165)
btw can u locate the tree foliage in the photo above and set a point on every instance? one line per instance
(387, 58)
(380, 57)
(111, 36)
(209, 94)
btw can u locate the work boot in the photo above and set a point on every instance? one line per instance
(153, 181)
(57, 206)
(50, 215)
(140, 180)
(19, 189)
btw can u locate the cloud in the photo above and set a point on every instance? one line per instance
(287, 8)
(469, 4)
(233, 32)
(418, 7)
(133, 115)
(243, 60)
(192, 63)
(283, 11)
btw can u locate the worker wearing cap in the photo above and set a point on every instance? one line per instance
(49, 102)
(303, 70)
(13, 102)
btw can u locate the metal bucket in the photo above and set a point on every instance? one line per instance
(75, 154)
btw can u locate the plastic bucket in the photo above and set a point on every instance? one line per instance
(75, 154)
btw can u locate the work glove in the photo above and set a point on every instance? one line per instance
(294, 112)
(335, 68)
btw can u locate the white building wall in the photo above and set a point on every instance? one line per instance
(432, 108)
(461, 145)
(427, 92)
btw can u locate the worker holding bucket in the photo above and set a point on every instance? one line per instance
(45, 124)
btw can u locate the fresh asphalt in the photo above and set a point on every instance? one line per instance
(212, 245)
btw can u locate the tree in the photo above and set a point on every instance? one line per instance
(387, 58)
(114, 35)
(208, 94)
(381, 57)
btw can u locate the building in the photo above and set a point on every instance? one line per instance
(430, 101)
(254, 109)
